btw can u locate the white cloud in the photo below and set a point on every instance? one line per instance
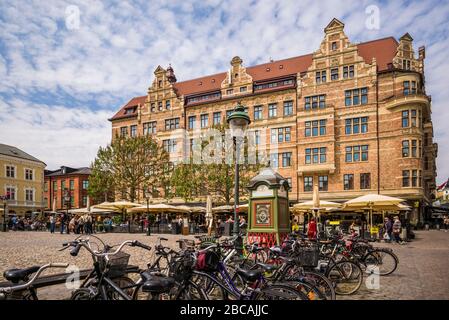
(112, 56)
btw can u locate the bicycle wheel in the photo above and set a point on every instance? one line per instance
(125, 283)
(280, 292)
(82, 294)
(346, 276)
(188, 291)
(380, 261)
(322, 283)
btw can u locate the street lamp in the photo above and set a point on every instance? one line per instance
(148, 195)
(238, 122)
(67, 199)
(4, 199)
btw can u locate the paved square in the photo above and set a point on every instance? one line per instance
(422, 272)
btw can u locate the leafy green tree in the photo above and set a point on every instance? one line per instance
(128, 164)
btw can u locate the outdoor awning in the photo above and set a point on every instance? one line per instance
(158, 208)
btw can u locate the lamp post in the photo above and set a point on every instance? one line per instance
(238, 122)
(4, 199)
(67, 199)
(148, 195)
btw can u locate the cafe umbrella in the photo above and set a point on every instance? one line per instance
(121, 206)
(373, 202)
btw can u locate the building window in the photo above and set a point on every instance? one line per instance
(171, 124)
(348, 182)
(365, 181)
(257, 137)
(55, 186)
(316, 155)
(45, 186)
(322, 183)
(216, 118)
(72, 184)
(405, 178)
(411, 118)
(85, 184)
(356, 125)
(315, 128)
(192, 120)
(356, 97)
(406, 64)
(334, 74)
(243, 89)
(159, 105)
(405, 149)
(84, 201)
(153, 107)
(257, 112)
(10, 171)
(29, 195)
(212, 96)
(414, 178)
(123, 132)
(275, 84)
(230, 91)
(288, 108)
(348, 72)
(334, 46)
(169, 145)
(315, 102)
(286, 159)
(289, 181)
(204, 120)
(272, 110)
(320, 76)
(63, 185)
(133, 130)
(11, 193)
(274, 160)
(356, 153)
(149, 127)
(308, 184)
(28, 174)
(167, 105)
(280, 135)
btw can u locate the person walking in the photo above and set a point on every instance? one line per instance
(312, 229)
(52, 223)
(388, 227)
(397, 229)
(295, 226)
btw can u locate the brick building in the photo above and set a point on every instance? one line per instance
(76, 180)
(352, 118)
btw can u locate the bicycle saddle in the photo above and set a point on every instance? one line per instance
(249, 275)
(267, 267)
(276, 250)
(15, 275)
(157, 283)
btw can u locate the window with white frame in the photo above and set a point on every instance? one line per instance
(11, 193)
(10, 171)
(29, 195)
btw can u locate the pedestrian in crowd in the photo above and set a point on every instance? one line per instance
(230, 220)
(52, 224)
(397, 228)
(72, 224)
(295, 226)
(446, 223)
(62, 219)
(81, 224)
(87, 224)
(388, 229)
(312, 229)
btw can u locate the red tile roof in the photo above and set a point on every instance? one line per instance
(383, 50)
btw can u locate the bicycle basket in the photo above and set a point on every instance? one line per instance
(181, 267)
(116, 265)
(308, 257)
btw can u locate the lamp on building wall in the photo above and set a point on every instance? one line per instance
(238, 122)
(148, 196)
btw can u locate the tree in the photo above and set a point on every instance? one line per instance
(101, 183)
(129, 164)
(192, 179)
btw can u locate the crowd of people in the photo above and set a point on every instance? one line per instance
(25, 224)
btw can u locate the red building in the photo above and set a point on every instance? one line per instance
(75, 180)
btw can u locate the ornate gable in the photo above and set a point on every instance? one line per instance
(236, 78)
(405, 55)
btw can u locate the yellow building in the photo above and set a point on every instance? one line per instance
(21, 181)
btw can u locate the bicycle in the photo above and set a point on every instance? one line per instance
(25, 290)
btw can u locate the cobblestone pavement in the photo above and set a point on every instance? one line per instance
(422, 272)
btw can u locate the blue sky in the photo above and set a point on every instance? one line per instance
(61, 80)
